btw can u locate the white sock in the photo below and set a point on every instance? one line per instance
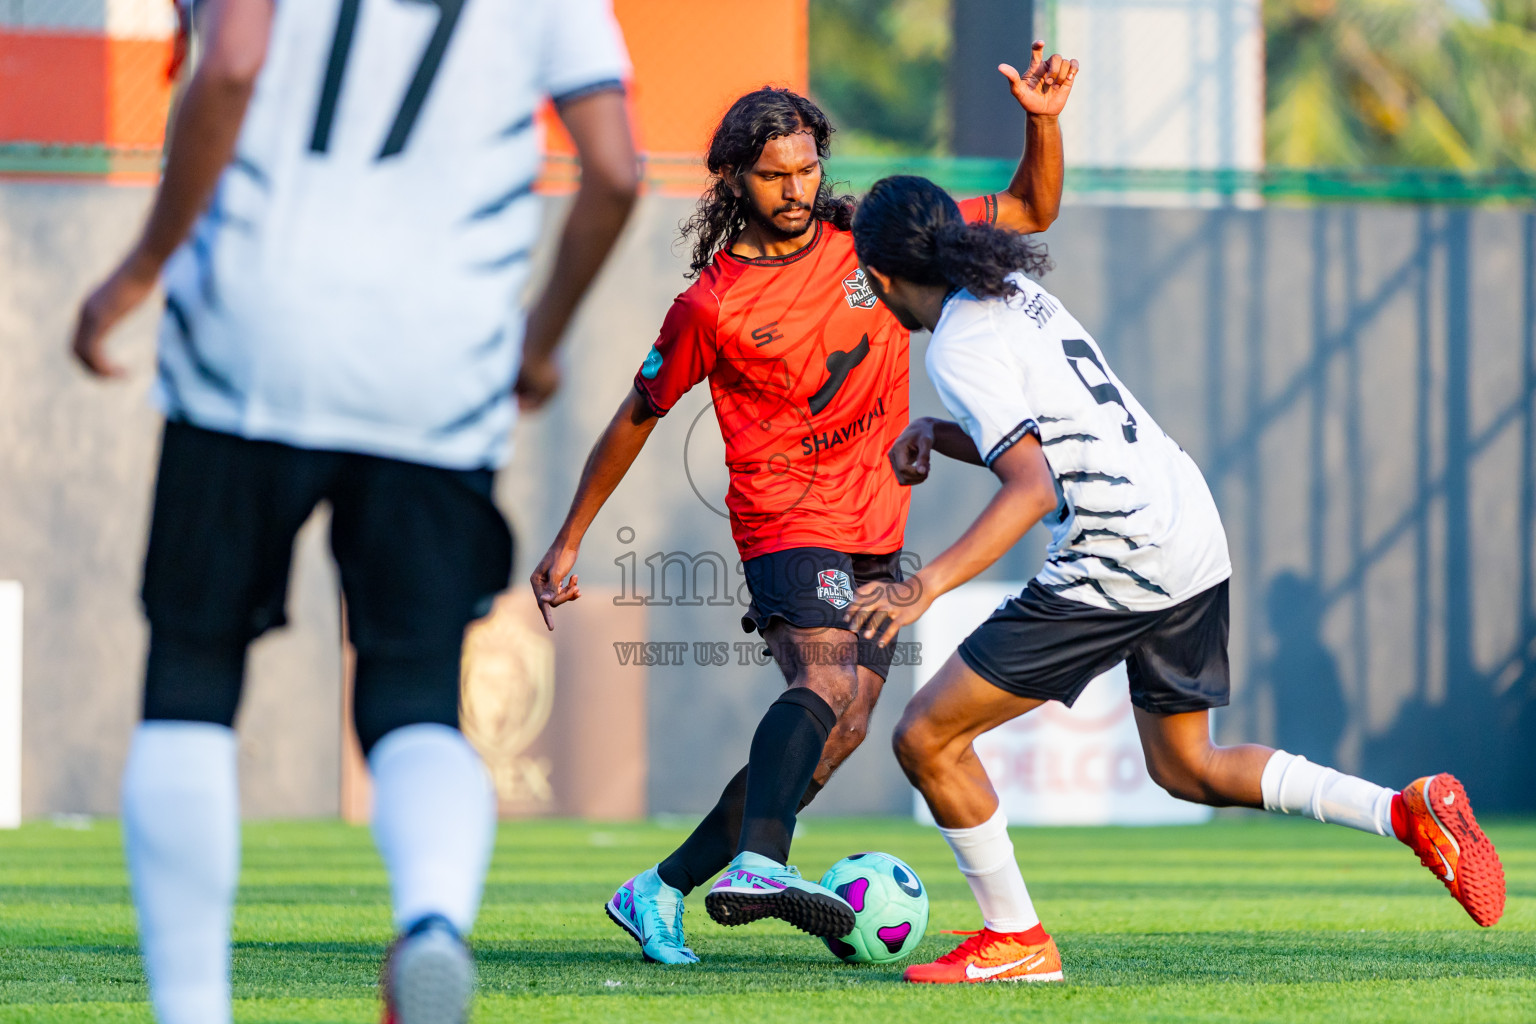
(985, 856)
(181, 831)
(434, 820)
(1293, 785)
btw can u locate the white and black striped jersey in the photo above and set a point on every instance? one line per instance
(354, 284)
(1136, 527)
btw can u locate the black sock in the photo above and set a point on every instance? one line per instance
(785, 751)
(710, 847)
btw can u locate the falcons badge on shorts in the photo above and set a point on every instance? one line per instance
(834, 587)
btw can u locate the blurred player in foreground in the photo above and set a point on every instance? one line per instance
(344, 227)
(1136, 571)
(809, 380)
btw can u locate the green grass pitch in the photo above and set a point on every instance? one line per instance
(1247, 919)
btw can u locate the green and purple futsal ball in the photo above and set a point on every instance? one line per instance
(889, 903)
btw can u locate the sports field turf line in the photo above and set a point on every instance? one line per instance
(1247, 919)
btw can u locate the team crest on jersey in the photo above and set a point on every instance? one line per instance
(834, 587)
(860, 294)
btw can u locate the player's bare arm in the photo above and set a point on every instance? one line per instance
(611, 457)
(203, 140)
(1028, 493)
(1033, 197)
(610, 180)
(910, 454)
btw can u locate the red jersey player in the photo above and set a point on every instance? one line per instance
(808, 373)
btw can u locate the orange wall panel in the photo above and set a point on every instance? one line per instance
(138, 92)
(692, 58)
(52, 88)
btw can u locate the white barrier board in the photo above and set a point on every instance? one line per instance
(1056, 765)
(10, 704)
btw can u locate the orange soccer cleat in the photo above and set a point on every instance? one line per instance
(1433, 816)
(991, 956)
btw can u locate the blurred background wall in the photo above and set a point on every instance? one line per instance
(1355, 376)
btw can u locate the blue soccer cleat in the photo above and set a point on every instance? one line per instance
(754, 887)
(651, 911)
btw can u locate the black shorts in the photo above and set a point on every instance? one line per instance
(1046, 647)
(422, 550)
(810, 588)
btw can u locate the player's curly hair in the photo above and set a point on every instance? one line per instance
(910, 228)
(752, 122)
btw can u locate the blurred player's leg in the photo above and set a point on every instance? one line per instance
(221, 535)
(181, 824)
(181, 832)
(934, 745)
(422, 550)
(434, 822)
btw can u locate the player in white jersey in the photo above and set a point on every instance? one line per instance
(344, 229)
(1136, 571)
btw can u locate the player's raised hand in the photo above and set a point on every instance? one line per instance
(550, 586)
(879, 610)
(116, 297)
(1045, 86)
(910, 454)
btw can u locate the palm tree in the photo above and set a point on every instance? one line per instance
(1377, 83)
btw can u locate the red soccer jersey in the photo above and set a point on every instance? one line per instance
(808, 372)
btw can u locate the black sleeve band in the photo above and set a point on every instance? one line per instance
(645, 396)
(581, 92)
(1010, 439)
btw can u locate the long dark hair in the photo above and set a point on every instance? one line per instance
(752, 122)
(910, 228)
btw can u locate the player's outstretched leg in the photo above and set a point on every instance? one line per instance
(786, 750)
(1432, 816)
(758, 883)
(933, 744)
(434, 822)
(644, 904)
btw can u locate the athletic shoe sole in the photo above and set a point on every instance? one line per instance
(825, 917)
(1024, 978)
(431, 982)
(1481, 880)
(630, 931)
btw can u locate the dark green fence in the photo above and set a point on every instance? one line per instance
(968, 176)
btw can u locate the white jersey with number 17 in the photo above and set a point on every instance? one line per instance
(353, 285)
(1136, 527)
